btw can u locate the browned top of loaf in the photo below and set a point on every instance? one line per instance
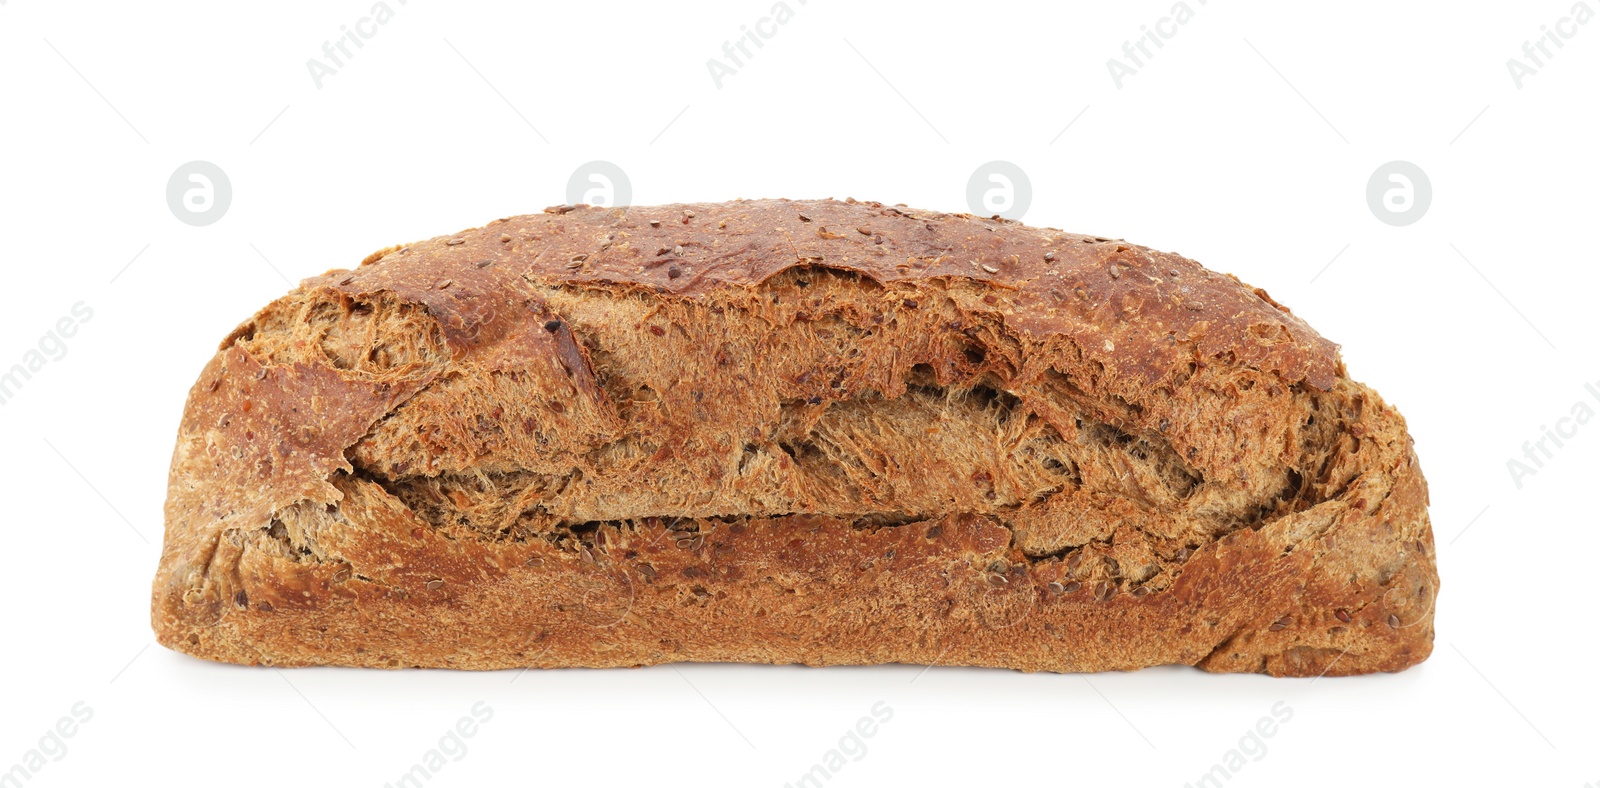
(1143, 314)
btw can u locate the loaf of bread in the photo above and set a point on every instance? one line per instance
(779, 431)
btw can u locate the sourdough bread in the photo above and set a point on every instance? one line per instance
(784, 431)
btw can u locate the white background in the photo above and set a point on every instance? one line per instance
(1245, 143)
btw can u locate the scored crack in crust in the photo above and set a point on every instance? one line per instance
(790, 431)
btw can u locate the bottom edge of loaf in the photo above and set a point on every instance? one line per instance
(803, 590)
(1296, 663)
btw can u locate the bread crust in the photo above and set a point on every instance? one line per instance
(780, 431)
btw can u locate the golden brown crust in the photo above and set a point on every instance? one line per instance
(1153, 310)
(790, 431)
